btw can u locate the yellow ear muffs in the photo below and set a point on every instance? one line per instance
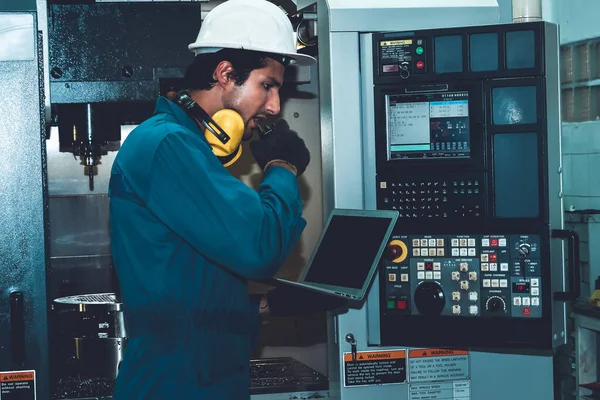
(232, 123)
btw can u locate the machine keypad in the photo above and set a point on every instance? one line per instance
(446, 198)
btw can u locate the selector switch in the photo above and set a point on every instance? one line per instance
(495, 304)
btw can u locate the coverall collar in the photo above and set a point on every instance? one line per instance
(164, 105)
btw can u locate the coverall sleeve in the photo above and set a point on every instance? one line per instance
(248, 232)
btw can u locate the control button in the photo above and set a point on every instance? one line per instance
(494, 242)
(503, 283)
(420, 275)
(535, 291)
(431, 242)
(503, 267)
(416, 242)
(424, 242)
(455, 275)
(495, 283)
(526, 311)
(454, 242)
(535, 282)
(463, 242)
(463, 252)
(517, 301)
(502, 242)
(432, 252)
(526, 301)
(472, 276)
(401, 304)
(404, 277)
(485, 257)
(493, 267)
(487, 283)
(485, 266)
(437, 266)
(391, 304)
(485, 242)
(455, 252)
(429, 298)
(437, 275)
(440, 242)
(419, 50)
(392, 277)
(471, 242)
(428, 275)
(535, 301)
(464, 267)
(464, 285)
(382, 185)
(472, 252)
(473, 310)
(456, 309)
(416, 252)
(493, 257)
(420, 266)
(420, 65)
(424, 252)
(440, 252)
(456, 296)
(473, 296)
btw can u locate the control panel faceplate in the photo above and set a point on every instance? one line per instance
(463, 276)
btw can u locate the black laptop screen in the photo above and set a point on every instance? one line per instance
(347, 251)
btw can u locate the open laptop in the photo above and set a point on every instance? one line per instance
(347, 254)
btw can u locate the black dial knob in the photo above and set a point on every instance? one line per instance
(495, 304)
(430, 298)
(524, 249)
(393, 251)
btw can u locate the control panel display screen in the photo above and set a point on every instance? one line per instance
(428, 126)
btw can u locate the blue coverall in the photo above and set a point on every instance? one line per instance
(186, 236)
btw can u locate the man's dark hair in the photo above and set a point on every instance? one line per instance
(199, 75)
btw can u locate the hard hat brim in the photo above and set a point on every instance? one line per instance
(296, 58)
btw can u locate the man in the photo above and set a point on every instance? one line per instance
(186, 235)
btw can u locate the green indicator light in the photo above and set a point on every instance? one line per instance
(419, 50)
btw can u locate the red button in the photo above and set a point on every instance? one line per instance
(401, 305)
(526, 311)
(420, 65)
(493, 258)
(494, 242)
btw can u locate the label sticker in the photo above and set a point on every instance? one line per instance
(17, 385)
(440, 391)
(432, 365)
(375, 368)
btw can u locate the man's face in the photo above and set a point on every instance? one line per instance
(258, 97)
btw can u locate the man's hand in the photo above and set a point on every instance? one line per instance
(282, 146)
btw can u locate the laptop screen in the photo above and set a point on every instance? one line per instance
(349, 249)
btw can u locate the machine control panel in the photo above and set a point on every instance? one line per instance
(463, 276)
(403, 57)
(448, 197)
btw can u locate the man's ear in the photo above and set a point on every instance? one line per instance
(224, 74)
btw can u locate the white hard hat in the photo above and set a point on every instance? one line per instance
(251, 25)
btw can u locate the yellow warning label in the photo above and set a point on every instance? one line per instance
(436, 353)
(17, 376)
(376, 355)
(396, 42)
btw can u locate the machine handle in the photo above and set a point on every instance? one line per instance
(574, 265)
(17, 326)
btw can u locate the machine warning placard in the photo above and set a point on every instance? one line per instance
(17, 385)
(375, 368)
(460, 390)
(434, 365)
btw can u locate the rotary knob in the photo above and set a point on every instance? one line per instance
(495, 304)
(524, 249)
(430, 298)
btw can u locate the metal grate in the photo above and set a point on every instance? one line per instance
(99, 298)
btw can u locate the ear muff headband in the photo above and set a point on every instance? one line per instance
(226, 146)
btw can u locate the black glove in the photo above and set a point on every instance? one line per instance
(281, 143)
(290, 301)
